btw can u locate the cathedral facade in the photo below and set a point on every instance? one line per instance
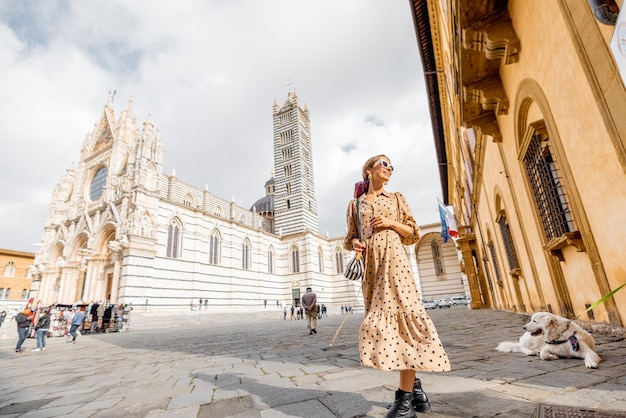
(120, 230)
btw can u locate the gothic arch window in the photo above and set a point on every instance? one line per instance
(287, 170)
(242, 219)
(435, 247)
(24, 294)
(507, 238)
(7, 293)
(294, 260)
(245, 255)
(1, 292)
(188, 200)
(215, 248)
(174, 239)
(288, 204)
(320, 260)
(339, 261)
(270, 260)
(288, 186)
(9, 269)
(494, 261)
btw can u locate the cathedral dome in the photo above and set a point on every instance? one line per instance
(265, 205)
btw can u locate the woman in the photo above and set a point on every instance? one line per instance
(23, 323)
(396, 333)
(43, 324)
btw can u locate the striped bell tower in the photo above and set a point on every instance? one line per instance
(295, 204)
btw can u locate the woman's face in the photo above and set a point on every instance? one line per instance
(382, 169)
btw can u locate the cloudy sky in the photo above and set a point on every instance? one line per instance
(207, 73)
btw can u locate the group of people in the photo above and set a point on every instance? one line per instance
(41, 322)
(62, 321)
(346, 309)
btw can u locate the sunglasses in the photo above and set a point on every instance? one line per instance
(384, 164)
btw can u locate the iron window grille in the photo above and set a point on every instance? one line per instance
(547, 187)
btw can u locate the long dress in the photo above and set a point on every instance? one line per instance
(396, 333)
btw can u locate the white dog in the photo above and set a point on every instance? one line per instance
(551, 337)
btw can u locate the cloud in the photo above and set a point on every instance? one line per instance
(207, 74)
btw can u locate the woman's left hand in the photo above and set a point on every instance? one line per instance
(380, 222)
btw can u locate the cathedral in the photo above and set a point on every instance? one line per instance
(120, 231)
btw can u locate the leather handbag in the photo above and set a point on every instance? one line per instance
(355, 268)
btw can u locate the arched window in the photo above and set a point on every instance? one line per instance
(546, 183)
(215, 246)
(1, 292)
(218, 211)
(320, 260)
(7, 293)
(9, 269)
(494, 261)
(507, 238)
(339, 262)
(24, 294)
(174, 239)
(294, 261)
(245, 255)
(440, 269)
(270, 260)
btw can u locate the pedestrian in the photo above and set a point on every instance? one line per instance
(3, 315)
(100, 312)
(293, 310)
(42, 327)
(342, 307)
(396, 333)
(309, 302)
(324, 311)
(265, 303)
(23, 320)
(77, 322)
(285, 312)
(206, 304)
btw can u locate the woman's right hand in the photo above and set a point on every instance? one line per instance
(357, 245)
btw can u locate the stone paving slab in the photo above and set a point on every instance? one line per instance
(272, 368)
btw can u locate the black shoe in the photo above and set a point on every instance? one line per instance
(420, 400)
(401, 407)
(310, 332)
(314, 332)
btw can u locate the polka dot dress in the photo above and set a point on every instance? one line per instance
(396, 333)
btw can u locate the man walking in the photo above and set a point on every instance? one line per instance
(77, 321)
(309, 301)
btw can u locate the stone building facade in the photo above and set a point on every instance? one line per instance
(527, 107)
(15, 278)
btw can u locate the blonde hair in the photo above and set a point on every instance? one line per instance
(370, 163)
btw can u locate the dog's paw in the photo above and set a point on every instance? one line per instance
(548, 356)
(592, 360)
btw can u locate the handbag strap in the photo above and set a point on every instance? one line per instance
(358, 220)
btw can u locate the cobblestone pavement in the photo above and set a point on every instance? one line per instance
(258, 365)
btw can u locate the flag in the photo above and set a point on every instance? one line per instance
(443, 214)
(452, 227)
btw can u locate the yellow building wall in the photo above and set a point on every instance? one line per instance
(19, 280)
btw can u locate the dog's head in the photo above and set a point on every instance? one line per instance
(551, 326)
